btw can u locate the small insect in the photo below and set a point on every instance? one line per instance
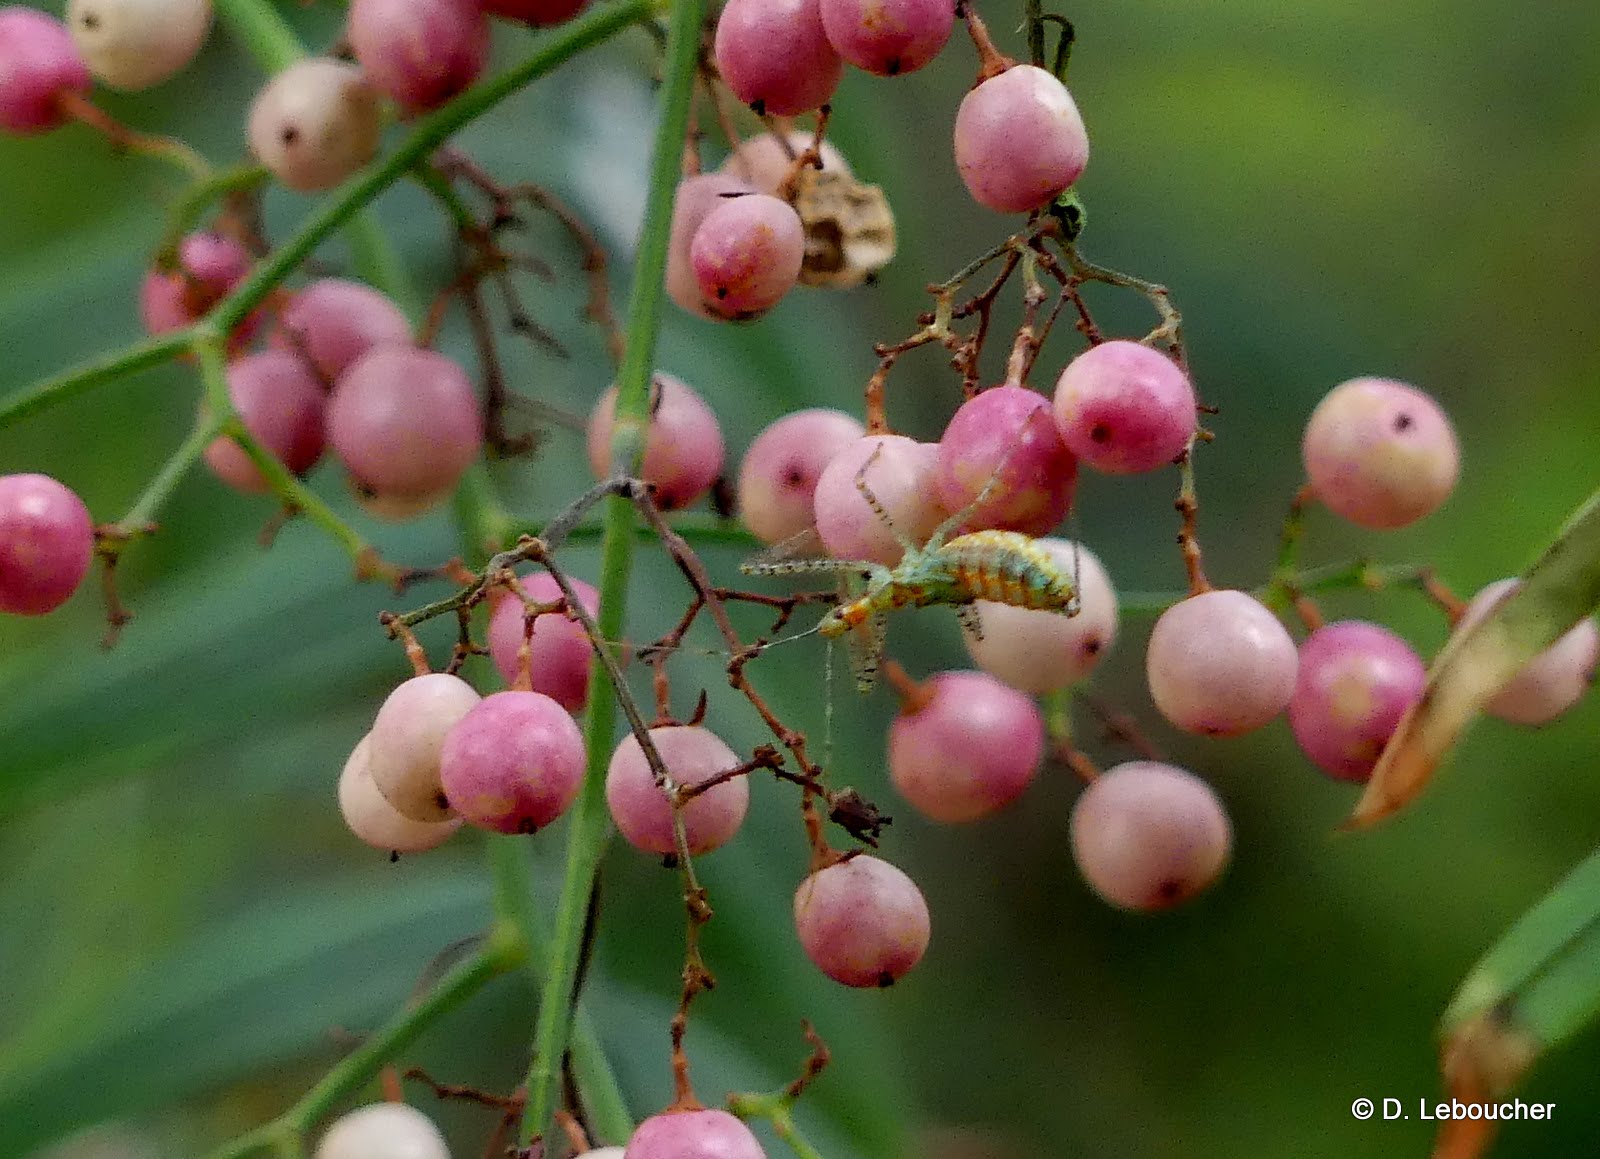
(1005, 567)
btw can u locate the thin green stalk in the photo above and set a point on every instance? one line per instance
(588, 830)
(171, 474)
(200, 197)
(86, 376)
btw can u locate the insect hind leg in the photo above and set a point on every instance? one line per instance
(876, 505)
(986, 492)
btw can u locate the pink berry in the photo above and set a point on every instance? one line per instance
(693, 1135)
(405, 422)
(862, 921)
(1123, 408)
(134, 44)
(901, 478)
(538, 13)
(775, 55)
(1041, 651)
(683, 451)
(1380, 453)
(372, 819)
(691, 754)
(281, 403)
(514, 763)
(1550, 683)
(408, 737)
(419, 52)
(1006, 440)
(778, 477)
(333, 322)
(383, 1131)
(1147, 836)
(209, 267)
(39, 65)
(1356, 681)
(888, 37)
(695, 198)
(1019, 140)
(560, 655)
(968, 747)
(746, 255)
(315, 124)
(1220, 664)
(46, 544)
(765, 163)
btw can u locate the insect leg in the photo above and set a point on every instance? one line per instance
(877, 507)
(867, 644)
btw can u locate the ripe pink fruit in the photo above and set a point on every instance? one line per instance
(692, 754)
(1147, 836)
(1007, 435)
(1380, 453)
(39, 64)
(778, 477)
(386, 1130)
(901, 478)
(1356, 681)
(315, 123)
(134, 44)
(405, 422)
(746, 255)
(765, 163)
(1019, 140)
(420, 52)
(1124, 408)
(693, 1135)
(1040, 651)
(1220, 664)
(333, 322)
(888, 37)
(281, 403)
(46, 544)
(560, 656)
(969, 748)
(683, 451)
(372, 819)
(775, 55)
(695, 198)
(862, 921)
(514, 763)
(209, 267)
(538, 13)
(1550, 683)
(408, 738)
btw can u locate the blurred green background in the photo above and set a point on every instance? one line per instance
(188, 936)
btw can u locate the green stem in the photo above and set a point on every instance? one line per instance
(588, 830)
(171, 474)
(85, 377)
(262, 32)
(778, 1109)
(199, 198)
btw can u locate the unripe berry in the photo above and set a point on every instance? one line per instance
(1356, 681)
(514, 763)
(407, 740)
(775, 55)
(605, 1153)
(334, 322)
(696, 197)
(691, 754)
(39, 64)
(862, 921)
(383, 1131)
(778, 477)
(419, 52)
(1019, 140)
(746, 255)
(371, 818)
(209, 267)
(560, 654)
(315, 124)
(46, 544)
(693, 1135)
(765, 163)
(1220, 664)
(965, 747)
(1006, 435)
(1041, 651)
(901, 478)
(682, 451)
(1124, 408)
(1380, 453)
(538, 13)
(888, 37)
(281, 403)
(1550, 683)
(1147, 836)
(405, 422)
(134, 44)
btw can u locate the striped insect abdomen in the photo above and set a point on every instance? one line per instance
(1007, 567)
